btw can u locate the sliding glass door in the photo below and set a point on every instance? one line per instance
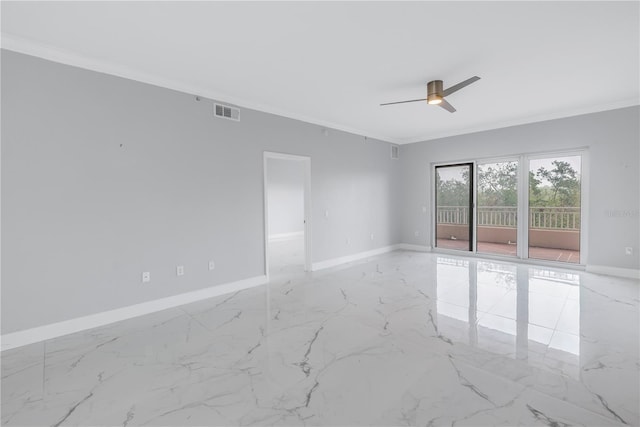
(454, 206)
(527, 206)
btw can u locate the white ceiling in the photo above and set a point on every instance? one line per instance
(333, 63)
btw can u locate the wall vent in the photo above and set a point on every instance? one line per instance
(226, 112)
(395, 152)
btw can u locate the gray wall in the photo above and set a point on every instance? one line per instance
(285, 190)
(613, 141)
(104, 178)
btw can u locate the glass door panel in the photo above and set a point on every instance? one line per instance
(454, 201)
(554, 208)
(497, 208)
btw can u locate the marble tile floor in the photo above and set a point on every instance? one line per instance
(504, 249)
(404, 338)
(286, 257)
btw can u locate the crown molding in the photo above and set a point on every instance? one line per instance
(629, 102)
(63, 56)
(51, 53)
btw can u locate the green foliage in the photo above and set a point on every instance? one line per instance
(453, 192)
(564, 190)
(498, 186)
(535, 193)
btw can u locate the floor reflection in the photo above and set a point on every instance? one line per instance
(524, 312)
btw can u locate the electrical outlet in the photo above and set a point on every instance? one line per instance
(628, 250)
(146, 277)
(348, 241)
(326, 214)
(424, 209)
(180, 270)
(371, 236)
(212, 265)
(416, 233)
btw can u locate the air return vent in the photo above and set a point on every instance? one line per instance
(395, 152)
(226, 112)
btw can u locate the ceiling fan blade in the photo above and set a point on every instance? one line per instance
(403, 102)
(459, 86)
(444, 104)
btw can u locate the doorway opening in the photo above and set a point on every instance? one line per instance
(287, 206)
(454, 206)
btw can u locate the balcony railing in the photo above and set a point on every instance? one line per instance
(552, 218)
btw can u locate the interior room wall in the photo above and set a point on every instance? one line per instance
(285, 197)
(612, 141)
(104, 178)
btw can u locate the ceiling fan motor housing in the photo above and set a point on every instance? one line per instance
(434, 91)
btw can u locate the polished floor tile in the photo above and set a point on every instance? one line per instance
(286, 257)
(401, 339)
(508, 249)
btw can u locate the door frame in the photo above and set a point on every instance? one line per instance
(472, 203)
(523, 205)
(307, 205)
(584, 202)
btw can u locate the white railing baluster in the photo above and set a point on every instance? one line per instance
(507, 216)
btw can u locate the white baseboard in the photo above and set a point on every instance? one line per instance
(53, 330)
(416, 248)
(286, 236)
(629, 273)
(350, 258)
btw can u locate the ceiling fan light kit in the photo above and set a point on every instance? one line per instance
(436, 94)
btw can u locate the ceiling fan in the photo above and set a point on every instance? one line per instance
(435, 94)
